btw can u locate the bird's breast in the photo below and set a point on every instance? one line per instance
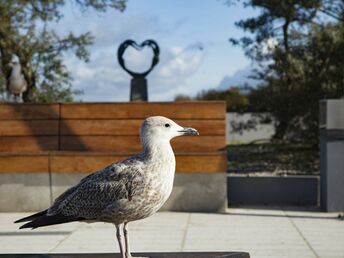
(152, 192)
(161, 179)
(157, 188)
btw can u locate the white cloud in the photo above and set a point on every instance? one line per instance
(268, 45)
(194, 49)
(103, 79)
(138, 61)
(175, 69)
(83, 73)
(238, 79)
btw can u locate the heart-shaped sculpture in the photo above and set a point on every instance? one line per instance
(150, 43)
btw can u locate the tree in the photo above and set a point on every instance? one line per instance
(182, 97)
(25, 37)
(303, 65)
(235, 100)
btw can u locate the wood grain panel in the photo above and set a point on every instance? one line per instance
(141, 110)
(131, 144)
(29, 111)
(206, 127)
(23, 163)
(201, 163)
(28, 143)
(28, 127)
(87, 162)
(96, 129)
(100, 127)
(198, 144)
(80, 163)
(131, 127)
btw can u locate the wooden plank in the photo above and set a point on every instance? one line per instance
(10, 163)
(28, 143)
(87, 162)
(119, 144)
(100, 127)
(141, 110)
(90, 162)
(199, 144)
(79, 163)
(201, 163)
(29, 111)
(131, 126)
(28, 127)
(132, 144)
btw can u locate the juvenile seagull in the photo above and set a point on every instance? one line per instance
(125, 191)
(16, 82)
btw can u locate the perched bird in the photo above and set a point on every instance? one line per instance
(125, 191)
(16, 82)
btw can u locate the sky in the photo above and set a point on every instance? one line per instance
(195, 53)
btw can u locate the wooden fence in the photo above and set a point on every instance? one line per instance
(84, 137)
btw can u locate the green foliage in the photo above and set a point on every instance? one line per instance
(298, 48)
(182, 97)
(24, 36)
(236, 101)
(49, 93)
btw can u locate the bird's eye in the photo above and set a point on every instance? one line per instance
(167, 125)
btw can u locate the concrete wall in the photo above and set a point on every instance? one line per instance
(24, 191)
(273, 190)
(263, 131)
(332, 173)
(332, 114)
(200, 192)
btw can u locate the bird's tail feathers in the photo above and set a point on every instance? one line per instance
(31, 217)
(41, 219)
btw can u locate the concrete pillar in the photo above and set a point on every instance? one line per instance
(332, 155)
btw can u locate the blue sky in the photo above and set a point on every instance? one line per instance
(192, 35)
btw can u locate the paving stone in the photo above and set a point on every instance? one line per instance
(261, 232)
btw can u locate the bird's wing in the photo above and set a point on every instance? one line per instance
(97, 191)
(70, 191)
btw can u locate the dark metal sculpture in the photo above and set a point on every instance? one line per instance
(138, 89)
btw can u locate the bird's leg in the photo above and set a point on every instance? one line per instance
(119, 239)
(126, 238)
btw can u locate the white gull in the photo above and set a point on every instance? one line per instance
(125, 191)
(16, 82)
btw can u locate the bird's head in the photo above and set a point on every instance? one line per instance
(163, 128)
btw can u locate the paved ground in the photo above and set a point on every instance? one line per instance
(261, 232)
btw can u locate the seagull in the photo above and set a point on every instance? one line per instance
(16, 81)
(129, 190)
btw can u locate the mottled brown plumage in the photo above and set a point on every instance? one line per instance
(125, 191)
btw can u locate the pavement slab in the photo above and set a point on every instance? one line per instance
(263, 232)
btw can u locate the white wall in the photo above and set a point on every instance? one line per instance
(263, 131)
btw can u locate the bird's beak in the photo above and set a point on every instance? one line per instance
(189, 131)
